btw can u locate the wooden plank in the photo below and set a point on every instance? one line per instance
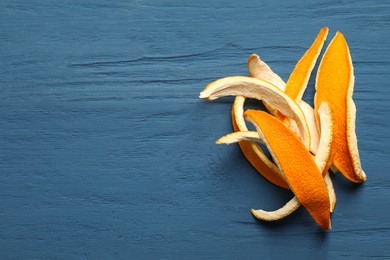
(107, 152)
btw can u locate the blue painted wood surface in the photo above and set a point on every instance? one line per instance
(107, 152)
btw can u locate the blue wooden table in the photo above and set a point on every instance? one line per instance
(107, 152)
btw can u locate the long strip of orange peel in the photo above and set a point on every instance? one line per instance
(296, 163)
(299, 77)
(321, 159)
(297, 82)
(255, 154)
(334, 84)
(247, 141)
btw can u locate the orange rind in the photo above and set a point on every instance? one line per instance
(321, 160)
(278, 214)
(334, 84)
(296, 163)
(297, 82)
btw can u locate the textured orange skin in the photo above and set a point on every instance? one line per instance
(296, 162)
(297, 81)
(302, 70)
(259, 165)
(334, 77)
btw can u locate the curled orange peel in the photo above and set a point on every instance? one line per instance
(254, 153)
(299, 77)
(321, 160)
(334, 84)
(296, 163)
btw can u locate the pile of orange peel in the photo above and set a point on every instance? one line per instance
(304, 142)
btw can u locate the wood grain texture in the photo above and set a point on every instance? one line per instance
(107, 152)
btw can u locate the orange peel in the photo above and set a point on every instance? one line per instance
(334, 84)
(255, 154)
(321, 160)
(296, 163)
(299, 77)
